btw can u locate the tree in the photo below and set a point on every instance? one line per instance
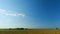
(56, 28)
(19, 28)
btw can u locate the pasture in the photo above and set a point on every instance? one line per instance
(29, 31)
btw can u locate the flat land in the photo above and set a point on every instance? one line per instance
(30, 32)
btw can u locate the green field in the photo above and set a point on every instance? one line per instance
(29, 31)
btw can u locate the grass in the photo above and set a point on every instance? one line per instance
(32, 31)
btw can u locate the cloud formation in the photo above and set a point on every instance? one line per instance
(20, 15)
(2, 11)
(15, 15)
(5, 12)
(11, 14)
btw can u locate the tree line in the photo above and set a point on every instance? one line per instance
(18, 29)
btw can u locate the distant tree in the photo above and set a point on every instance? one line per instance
(19, 28)
(26, 28)
(10, 29)
(22, 28)
(56, 28)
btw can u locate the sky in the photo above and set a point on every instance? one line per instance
(29, 13)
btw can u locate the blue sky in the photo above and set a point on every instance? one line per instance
(29, 13)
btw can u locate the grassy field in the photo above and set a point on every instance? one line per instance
(30, 32)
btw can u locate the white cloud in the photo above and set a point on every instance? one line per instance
(11, 14)
(21, 15)
(5, 12)
(2, 11)
(15, 15)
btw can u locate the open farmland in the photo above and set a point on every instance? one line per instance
(30, 32)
